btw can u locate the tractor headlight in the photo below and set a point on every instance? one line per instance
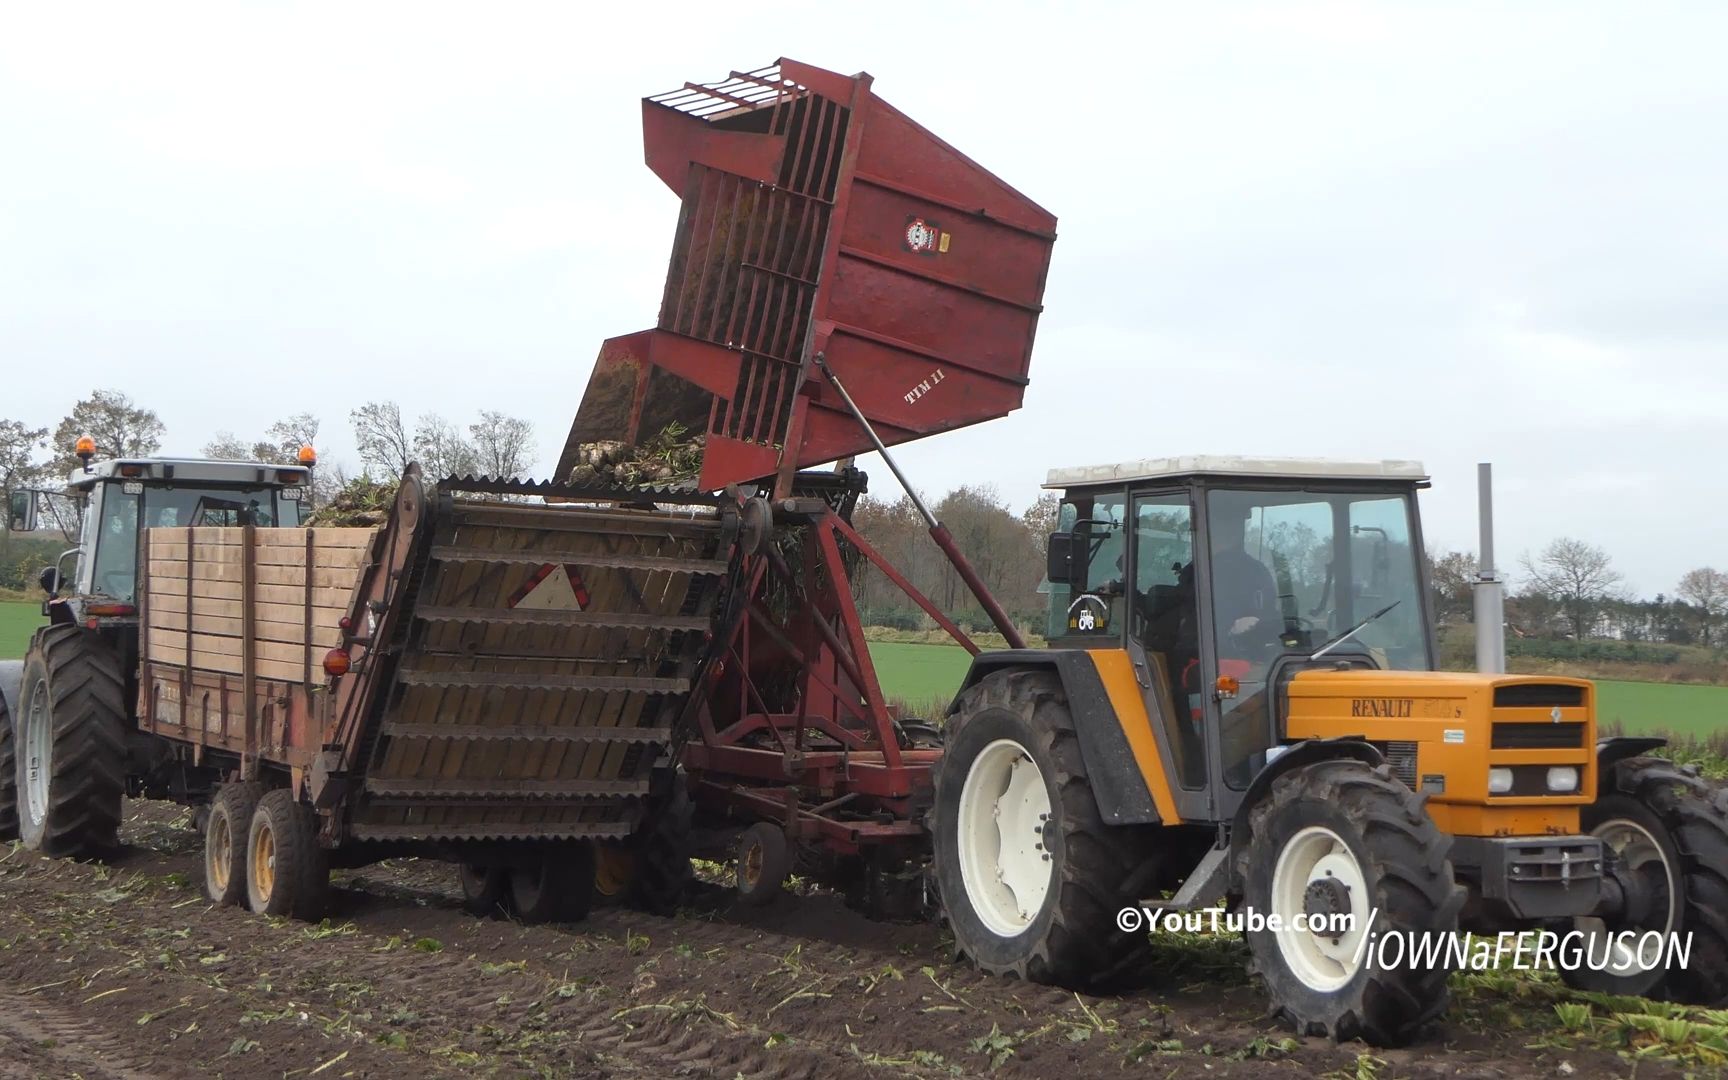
(1563, 779)
(1499, 780)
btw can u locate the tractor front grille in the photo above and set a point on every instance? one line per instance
(1537, 735)
(1401, 756)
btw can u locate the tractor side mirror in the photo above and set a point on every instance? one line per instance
(50, 580)
(21, 512)
(1066, 554)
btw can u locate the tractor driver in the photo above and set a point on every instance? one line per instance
(1244, 595)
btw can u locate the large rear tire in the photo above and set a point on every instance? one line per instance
(560, 888)
(1342, 838)
(70, 744)
(8, 778)
(1668, 829)
(1030, 876)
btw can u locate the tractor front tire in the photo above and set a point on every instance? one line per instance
(1343, 839)
(226, 829)
(1031, 877)
(1668, 826)
(287, 873)
(69, 742)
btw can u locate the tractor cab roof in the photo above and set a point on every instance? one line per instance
(188, 471)
(1235, 468)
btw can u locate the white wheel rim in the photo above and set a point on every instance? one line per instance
(1635, 846)
(1004, 807)
(38, 752)
(1323, 960)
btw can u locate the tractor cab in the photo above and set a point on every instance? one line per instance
(118, 499)
(1222, 577)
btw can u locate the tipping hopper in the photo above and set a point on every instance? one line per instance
(819, 219)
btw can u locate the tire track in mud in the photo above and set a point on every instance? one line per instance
(55, 1036)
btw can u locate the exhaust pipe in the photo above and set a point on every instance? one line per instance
(1489, 591)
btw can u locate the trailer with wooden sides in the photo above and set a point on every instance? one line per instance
(489, 678)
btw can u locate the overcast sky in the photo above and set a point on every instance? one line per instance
(1451, 232)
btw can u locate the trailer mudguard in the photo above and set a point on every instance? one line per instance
(1127, 778)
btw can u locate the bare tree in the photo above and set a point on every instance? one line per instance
(226, 446)
(383, 440)
(1579, 577)
(119, 428)
(1706, 589)
(285, 437)
(441, 450)
(503, 446)
(1452, 574)
(19, 467)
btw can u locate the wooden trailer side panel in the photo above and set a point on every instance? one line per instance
(238, 617)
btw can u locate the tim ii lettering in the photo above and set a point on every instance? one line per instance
(1380, 706)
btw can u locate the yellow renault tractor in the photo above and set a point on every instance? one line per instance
(1240, 703)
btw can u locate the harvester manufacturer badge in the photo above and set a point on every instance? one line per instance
(926, 237)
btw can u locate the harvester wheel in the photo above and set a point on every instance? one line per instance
(1668, 829)
(764, 862)
(227, 828)
(1341, 838)
(8, 778)
(614, 872)
(1030, 876)
(663, 871)
(287, 873)
(484, 888)
(69, 742)
(560, 888)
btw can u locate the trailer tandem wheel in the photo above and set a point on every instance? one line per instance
(287, 873)
(560, 888)
(227, 827)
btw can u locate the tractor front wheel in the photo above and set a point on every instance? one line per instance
(1338, 853)
(1667, 829)
(1031, 877)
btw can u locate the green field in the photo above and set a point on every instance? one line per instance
(918, 674)
(18, 620)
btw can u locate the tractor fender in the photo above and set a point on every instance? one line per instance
(1617, 748)
(1117, 784)
(11, 682)
(1295, 755)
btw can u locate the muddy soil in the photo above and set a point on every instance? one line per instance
(125, 970)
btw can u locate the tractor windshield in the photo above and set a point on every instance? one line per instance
(1291, 569)
(132, 506)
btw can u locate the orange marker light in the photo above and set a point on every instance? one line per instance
(307, 456)
(336, 662)
(85, 447)
(1228, 686)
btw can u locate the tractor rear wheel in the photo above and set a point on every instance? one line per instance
(69, 742)
(8, 778)
(287, 873)
(560, 888)
(1335, 845)
(1030, 876)
(226, 829)
(1668, 829)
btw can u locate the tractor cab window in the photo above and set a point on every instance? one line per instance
(1166, 623)
(1095, 611)
(1291, 571)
